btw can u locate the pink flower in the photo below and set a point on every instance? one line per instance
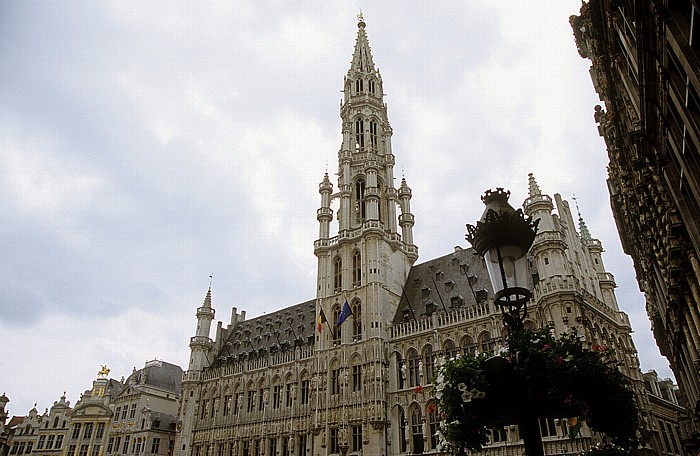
(546, 347)
(558, 360)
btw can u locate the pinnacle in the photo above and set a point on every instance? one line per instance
(534, 188)
(207, 299)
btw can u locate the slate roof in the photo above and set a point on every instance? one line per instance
(159, 374)
(440, 285)
(270, 333)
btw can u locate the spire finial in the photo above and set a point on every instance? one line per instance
(360, 17)
(585, 234)
(534, 188)
(211, 279)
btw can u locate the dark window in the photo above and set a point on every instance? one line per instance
(356, 269)
(333, 440)
(276, 396)
(251, 401)
(305, 392)
(373, 137)
(100, 430)
(417, 430)
(356, 438)
(301, 444)
(76, 430)
(413, 368)
(155, 446)
(356, 378)
(87, 432)
(357, 320)
(337, 274)
(335, 381)
(360, 135)
(227, 404)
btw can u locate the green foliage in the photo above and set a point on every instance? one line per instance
(555, 377)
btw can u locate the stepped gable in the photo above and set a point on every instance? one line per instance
(270, 333)
(443, 281)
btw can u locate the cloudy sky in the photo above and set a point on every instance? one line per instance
(147, 145)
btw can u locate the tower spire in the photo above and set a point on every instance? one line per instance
(534, 188)
(362, 61)
(583, 229)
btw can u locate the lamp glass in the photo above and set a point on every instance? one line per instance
(512, 265)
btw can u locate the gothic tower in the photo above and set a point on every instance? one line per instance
(367, 261)
(365, 264)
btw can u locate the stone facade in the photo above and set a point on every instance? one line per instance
(295, 382)
(145, 411)
(664, 411)
(645, 68)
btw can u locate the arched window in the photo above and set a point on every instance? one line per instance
(370, 83)
(468, 345)
(360, 196)
(428, 365)
(487, 343)
(337, 275)
(373, 138)
(356, 375)
(335, 378)
(433, 423)
(360, 135)
(357, 319)
(403, 425)
(413, 368)
(356, 269)
(336, 329)
(417, 430)
(359, 86)
(400, 371)
(450, 350)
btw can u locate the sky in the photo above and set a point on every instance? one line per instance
(145, 146)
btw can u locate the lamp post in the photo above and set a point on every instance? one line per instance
(503, 237)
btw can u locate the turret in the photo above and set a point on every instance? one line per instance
(549, 245)
(201, 343)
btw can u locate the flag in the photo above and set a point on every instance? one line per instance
(344, 313)
(321, 320)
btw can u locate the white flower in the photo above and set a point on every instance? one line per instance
(462, 387)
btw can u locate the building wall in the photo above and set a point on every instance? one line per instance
(278, 385)
(644, 58)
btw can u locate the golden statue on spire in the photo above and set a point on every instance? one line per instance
(360, 17)
(103, 372)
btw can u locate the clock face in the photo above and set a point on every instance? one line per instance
(178, 427)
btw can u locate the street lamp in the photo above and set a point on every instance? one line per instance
(503, 237)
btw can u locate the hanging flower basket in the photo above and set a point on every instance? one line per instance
(535, 374)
